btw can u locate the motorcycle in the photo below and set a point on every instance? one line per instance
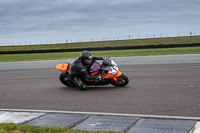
(108, 70)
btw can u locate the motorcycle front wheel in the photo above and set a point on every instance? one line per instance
(121, 81)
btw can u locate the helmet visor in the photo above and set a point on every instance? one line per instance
(88, 61)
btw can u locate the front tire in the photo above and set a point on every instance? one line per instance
(121, 81)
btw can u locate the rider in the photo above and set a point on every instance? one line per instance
(81, 65)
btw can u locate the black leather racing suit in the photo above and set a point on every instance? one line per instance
(78, 68)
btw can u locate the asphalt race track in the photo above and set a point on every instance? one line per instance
(167, 88)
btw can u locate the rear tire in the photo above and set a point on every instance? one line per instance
(121, 81)
(65, 79)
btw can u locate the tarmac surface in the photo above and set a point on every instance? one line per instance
(159, 85)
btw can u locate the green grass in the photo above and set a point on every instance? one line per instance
(132, 42)
(14, 128)
(110, 53)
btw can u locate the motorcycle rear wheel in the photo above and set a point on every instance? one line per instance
(64, 79)
(121, 81)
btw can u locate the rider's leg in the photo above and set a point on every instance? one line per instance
(80, 83)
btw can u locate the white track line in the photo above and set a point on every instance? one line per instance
(196, 128)
(18, 117)
(101, 113)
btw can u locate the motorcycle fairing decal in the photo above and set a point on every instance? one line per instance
(94, 73)
(113, 70)
(63, 67)
(113, 76)
(117, 75)
(108, 76)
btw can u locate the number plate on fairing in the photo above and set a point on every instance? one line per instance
(114, 69)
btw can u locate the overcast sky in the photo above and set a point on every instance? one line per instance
(38, 21)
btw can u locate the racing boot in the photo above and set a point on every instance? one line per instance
(82, 86)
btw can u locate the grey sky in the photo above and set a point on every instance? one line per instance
(57, 20)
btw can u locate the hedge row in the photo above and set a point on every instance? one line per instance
(103, 48)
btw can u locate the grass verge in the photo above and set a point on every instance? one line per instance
(110, 53)
(131, 42)
(14, 128)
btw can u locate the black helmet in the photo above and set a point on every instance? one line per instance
(86, 57)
